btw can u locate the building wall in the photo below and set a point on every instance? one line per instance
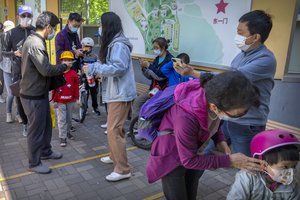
(283, 13)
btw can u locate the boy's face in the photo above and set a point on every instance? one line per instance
(66, 60)
(86, 49)
(282, 172)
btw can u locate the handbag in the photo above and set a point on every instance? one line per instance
(56, 82)
(15, 88)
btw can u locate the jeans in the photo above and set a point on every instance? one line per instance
(238, 136)
(10, 97)
(181, 184)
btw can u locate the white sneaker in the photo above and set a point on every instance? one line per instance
(2, 100)
(105, 132)
(9, 118)
(117, 177)
(19, 119)
(104, 125)
(106, 160)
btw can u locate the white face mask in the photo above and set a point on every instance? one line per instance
(240, 42)
(157, 52)
(25, 22)
(284, 176)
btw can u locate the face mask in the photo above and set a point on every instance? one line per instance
(73, 30)
(240, 42)
(100, 31)
(284, 176)
(157, 52)
(25, 22)
(51, 35)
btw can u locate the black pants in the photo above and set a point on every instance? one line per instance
(1, 82)
(94, 92)
(20, 109)
(39, 129)
(181, 184)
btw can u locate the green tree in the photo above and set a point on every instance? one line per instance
(91, 10)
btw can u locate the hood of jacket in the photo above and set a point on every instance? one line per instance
(190, 96)
(121, 38)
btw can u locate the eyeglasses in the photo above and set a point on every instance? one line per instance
(26, 15)
(238, 115)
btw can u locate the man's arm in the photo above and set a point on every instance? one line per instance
(41, 62)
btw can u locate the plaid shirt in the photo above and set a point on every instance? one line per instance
(66, 41)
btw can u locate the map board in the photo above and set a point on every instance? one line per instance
(204, 29)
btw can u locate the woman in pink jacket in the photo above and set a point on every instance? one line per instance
(195, 117)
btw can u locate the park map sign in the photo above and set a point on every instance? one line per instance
(204, 29)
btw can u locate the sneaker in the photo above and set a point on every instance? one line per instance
(104, 125)
(19, 119)
(117, 177)
(25, 133)
(72, 129)
(53, 155)
(40, 169)
(9, 118)
(106, 160)
(96, 110)
(2, 100)
(70, 136)
(63, 142)
(105, 132)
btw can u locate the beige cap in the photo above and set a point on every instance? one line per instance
(7, 25)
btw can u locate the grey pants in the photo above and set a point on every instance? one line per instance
(39, 129)
(138, 103)
(64, 118)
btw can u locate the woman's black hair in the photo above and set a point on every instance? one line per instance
(229, 90)
(162, 42)
(111, 26)
(284, 153)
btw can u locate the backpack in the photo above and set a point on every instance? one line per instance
(152, 112)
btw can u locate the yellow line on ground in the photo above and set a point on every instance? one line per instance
(156, 196)
(61, 165)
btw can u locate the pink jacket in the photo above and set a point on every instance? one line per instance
(188, 119)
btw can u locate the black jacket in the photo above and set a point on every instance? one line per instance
(13, 41)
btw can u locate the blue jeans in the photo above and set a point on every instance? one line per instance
(10, 97)
(237, 136)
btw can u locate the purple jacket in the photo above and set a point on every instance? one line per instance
(66, 41)
(188, 118)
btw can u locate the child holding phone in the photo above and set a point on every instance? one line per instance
(173, 77)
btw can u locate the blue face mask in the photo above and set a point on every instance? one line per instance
(51, 35)
(157, 52)
(73, 29)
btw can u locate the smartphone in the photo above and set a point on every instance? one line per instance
(178, 61)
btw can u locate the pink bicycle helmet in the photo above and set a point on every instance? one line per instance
(271, 139)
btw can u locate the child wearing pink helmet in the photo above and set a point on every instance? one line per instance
(280, 149)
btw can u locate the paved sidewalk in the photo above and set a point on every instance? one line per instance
(80, 174)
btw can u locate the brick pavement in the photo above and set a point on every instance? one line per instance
(85, 180)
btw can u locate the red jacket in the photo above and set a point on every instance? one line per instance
(70, 91)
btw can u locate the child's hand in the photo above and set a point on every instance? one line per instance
(184, 70)
(85, 68)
